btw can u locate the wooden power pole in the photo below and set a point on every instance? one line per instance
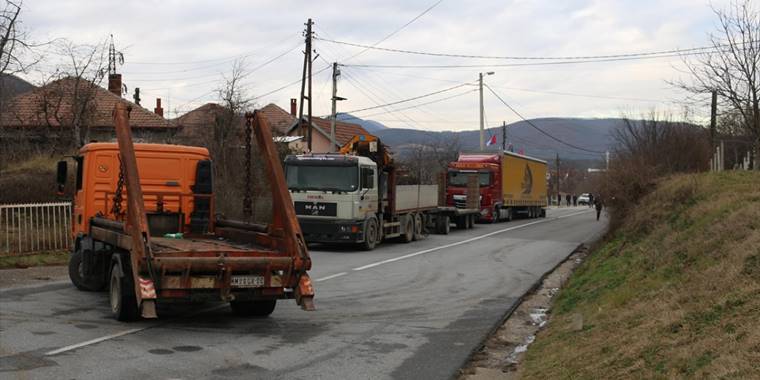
(306, 81)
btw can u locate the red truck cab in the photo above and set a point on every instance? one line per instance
(487, 167)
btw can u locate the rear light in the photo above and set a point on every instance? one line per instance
(354, 229)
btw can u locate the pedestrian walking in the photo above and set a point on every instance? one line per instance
(591, 200)
(575, 199)
(598, 205)
(567, 199)
(559, 200)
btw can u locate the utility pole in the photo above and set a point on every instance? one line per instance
(559, 199)
(713, 115)
(335, 99)
(482, 127)
(306, 80)
(607, 159)
(503, 136)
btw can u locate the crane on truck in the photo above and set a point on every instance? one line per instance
(353, 197)
(144, 227)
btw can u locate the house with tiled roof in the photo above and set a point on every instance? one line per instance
(196, 127)
(287, 123)
(55, 109)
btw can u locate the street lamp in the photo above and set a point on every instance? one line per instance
(482, 127)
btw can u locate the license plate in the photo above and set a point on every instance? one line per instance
(247, 281)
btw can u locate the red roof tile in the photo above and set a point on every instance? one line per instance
(58, 97)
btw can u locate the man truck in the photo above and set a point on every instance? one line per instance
(352, 197)
(144, 227)
(511, 184)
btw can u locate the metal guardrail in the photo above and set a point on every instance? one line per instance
(34, 227)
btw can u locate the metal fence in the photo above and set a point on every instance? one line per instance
(34, 227)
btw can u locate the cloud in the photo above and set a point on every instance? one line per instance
(155, 32)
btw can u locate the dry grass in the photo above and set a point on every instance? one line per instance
(35, 260)
(675, 292)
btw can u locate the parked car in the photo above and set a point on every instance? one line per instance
(584, 199)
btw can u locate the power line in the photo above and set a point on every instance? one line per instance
(221, 60)
(413, 106)
(537, 128)
(412, 98)
(700, 50)
(428, 9)
(487, 65)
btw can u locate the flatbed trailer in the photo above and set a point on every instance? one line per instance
(126, 239)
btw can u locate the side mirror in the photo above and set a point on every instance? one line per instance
(61, 176)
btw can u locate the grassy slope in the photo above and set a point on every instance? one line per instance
(674, 293)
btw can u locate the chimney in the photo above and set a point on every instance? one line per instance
(293, 106)
(158, 110)
(114, 84)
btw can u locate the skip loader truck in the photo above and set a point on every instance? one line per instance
(510, 184)
(144, 227)
(352, 197)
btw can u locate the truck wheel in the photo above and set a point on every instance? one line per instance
(408, 234)
(445, 225)
(75, 270)
(371, 235)
(253, 308)
(122, 294)
(495, 214)
(418, 227)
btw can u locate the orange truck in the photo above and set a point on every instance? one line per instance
(144, 227)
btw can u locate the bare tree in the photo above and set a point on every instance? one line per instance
(69, 94)
(731, 67)
(16, 53)
(424, 162)
(228, 124)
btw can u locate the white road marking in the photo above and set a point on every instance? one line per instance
(331, 277)
(127, 332)
(404, 257)
(93, 341)
(136, 330)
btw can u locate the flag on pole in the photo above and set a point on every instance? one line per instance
(491, 140)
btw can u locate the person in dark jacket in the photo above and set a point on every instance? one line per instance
(575, 199)
(598, 205)
(567, 199)
(591, 200)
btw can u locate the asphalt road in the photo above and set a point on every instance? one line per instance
(408, 311)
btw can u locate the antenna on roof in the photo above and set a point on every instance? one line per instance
(114, 57)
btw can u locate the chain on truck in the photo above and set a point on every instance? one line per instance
(145, 228)
(352, 197)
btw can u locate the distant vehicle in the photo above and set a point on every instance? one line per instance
(511, 184)
(352, 197)
(584, 199)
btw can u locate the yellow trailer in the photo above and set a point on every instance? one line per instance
(523, 180)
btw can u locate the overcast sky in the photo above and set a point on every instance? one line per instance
(179, 50)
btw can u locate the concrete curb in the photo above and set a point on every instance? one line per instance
(514, 307)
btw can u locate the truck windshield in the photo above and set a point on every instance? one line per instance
(459, 179)
(322, 177)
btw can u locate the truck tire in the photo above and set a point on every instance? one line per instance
(495, 214)
(253, 308)
(418, 234)
(445, 225)
(76, 274)
(121, 294)
(75, 271)
(408, 234)
(371, 234)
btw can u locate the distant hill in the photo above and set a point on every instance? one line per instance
(590, 134)
(370, 125)
(11, 85)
